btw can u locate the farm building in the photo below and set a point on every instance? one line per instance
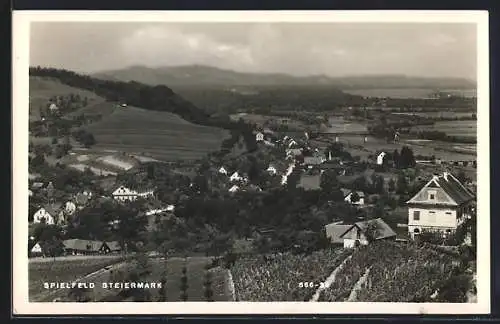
(362, 232)
(222, 170)
(234, 188)
(441, 205)
(113, 247)
(53, 107)
(35, 250)
(272, 170)
(380, 158)
(37, 185)
(235, 177)
(334, 231)
(69, 207)
(46, 214)
(123, 194)
(78, 246)
(348, 195)
(259, 137)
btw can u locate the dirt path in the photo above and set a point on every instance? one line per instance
(230, 285)
(329, 280)
(353, 296)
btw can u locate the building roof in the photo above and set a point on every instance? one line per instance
(383, 230)
(334, 232)
(451, 186)
(313, 160)
(347, 192)
(114, 245)
(83, 245)
(53, 209)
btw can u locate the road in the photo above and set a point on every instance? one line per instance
(72, 258)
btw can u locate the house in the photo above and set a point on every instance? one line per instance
(222, 170)
(125, 194)
(36, 250)
(259, 137)
(78, 246)
(441, 205)
(37, 185)
(333, 232)
(348, 194)
(46, 214)
(362, 232)
(311, 161)
(272, 170)
(235, 177)
(292, 144)
(234, 188)
(53, 107)
(380, 158)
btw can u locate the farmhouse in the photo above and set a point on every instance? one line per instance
(70, 208)
(125, 194)
(348, 196)
(441, 205)
(380, 158)
(36, 250)
(333, 232)
(46, 214)
(361, 233)
(234, 188)
(222, 170)
(113, 247)
(78, 246)
(37, 185)
(259, 137)
(53, 107)
(272, 170)
(235, 177)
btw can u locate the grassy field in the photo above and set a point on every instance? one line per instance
(160, 135)
(42, 89)
(405, 93)
(62, 271)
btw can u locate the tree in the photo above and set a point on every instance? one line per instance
(355, 197)
(407, 159)
(396, 158)
(402, 185)
(391, 185)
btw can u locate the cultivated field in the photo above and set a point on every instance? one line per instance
(160, 135)
(62, 271)
(279, 278)
(99, 162)
(405, 93)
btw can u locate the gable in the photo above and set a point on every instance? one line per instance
(425, 195)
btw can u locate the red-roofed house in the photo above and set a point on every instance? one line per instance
(441, 205)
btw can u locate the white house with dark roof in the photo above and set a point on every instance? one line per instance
(348, 194)
(123, 194)
(259, 137)
(46, 215)
(235, 177)
(271, 170)
(380, 158)
(360, 232)
(441, 205)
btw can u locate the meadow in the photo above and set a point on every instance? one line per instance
(160, 135)
(405, 93)
(462, 128)
(42, 89)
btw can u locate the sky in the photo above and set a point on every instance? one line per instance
(333, 49)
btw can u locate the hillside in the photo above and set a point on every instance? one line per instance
(199, 75)
(160, 135)
(159, 98)
(44, 90)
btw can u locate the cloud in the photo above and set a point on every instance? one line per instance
(302, 49)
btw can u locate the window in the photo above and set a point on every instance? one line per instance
(416, 215)
(416, 231)
(448, 213)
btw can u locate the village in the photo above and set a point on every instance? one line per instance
(441, 201)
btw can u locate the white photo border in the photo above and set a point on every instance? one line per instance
(21, 43)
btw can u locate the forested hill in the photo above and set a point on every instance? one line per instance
(159, 97)
(200, 75)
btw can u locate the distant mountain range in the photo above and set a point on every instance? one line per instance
(200, 75)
